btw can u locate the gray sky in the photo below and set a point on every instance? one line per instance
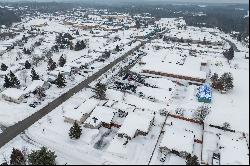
(202, 1)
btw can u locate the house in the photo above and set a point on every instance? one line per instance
(13, 95)
(136, 123)
(81, 113)
(35, 85)
(204, 93)
(100, 117)
(177, 141)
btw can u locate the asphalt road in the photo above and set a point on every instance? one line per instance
(13, 131)
(230, 43)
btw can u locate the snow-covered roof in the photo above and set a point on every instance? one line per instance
(162, 83)
(194, 34)
(101, 114)
(34, 85)
(84, 108)
(13, 93)
(205, 91)
(159, 94)
(178, 139)
(136, 121)
(166, 61)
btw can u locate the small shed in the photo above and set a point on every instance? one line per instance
(204, 93)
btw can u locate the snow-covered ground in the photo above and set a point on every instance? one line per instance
(156, 95)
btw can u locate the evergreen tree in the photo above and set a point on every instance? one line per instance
(80, 45)
(7, 83)
(117, 48)
(13, 80)
(83, 45)
(4, 67)
(34, 75)
(100, 91)
(227, 81)
(215, 79)
(77, 33)
(137, 24)
(77, 46)
(17, 157)
(27, 65)
(75, 131)
(192, 160)
(229, 54)
(62, 61)
(60, 81)
(51, 64)
(42, 157)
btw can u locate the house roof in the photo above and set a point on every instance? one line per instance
(178, 139)
(136, 121)
(84, 108)
(13, 93)
(101, 114)
(34, 85)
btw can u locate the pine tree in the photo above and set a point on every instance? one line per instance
(60, 81)
(227, 81)
(42, 157)
(27, 65)
(83, 45)
(77, 33)
(137, 24)
(192, 160)
(100, 91)
(215, 79)
(77, 46)
(7, 83)
(34, 75)
(17, 157)
(229, 54)
(75, 131)
(51, 65)
(117, 48)
(4, 67)
(13, 80)
(62, 61)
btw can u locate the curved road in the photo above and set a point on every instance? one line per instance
(230, 42)
(11, 132)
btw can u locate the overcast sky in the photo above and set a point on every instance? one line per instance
(202, 1)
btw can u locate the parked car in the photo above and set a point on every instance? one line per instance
(163, 157)
(32, 105)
